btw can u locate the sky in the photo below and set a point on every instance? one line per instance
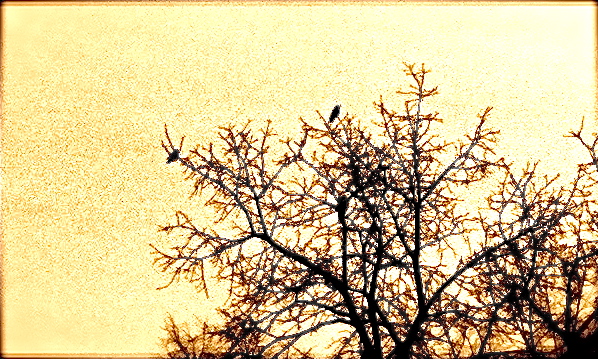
(87, 91)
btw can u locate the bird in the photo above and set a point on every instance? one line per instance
(335, 112)
(173, 156)
(341, 206)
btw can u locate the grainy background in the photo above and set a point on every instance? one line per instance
(87, 90)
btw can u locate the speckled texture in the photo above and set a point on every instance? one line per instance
(87, 90)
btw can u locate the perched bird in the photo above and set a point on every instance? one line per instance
(173, 156)
(512, 297)
(335, 112)
(341, 206)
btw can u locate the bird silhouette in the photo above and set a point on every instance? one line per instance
(335, 112)
(341, 206)
(173, 156)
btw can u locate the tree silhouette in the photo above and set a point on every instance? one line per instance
(367, 229)
(208, 343)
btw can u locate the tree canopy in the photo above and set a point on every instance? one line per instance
(367, 228)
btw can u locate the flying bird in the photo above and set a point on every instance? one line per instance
(173, 156)
(335, 112)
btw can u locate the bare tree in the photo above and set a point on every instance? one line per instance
(181, 343)
(538, 296)
(207, 342)
(365, 229)
(539, 292)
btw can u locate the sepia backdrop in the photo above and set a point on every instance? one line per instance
(87, 90)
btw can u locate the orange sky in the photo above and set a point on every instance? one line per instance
(87, 90)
